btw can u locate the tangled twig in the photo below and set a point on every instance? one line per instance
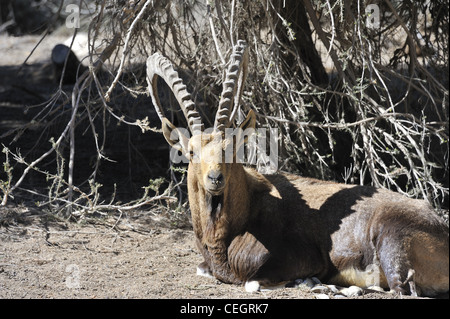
(379, 116)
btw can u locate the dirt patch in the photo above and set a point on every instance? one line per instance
(126, 257)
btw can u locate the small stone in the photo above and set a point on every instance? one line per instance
(309, 283)
(252, 286)
(320, 289)
(376, 288)
(298, 282)
(322, 296)
(351, 291)
(333, 289)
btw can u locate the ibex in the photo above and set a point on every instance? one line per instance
(262, 230)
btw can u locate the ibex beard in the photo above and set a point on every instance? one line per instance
(262, 230)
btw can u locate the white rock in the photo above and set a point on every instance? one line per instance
(376, 288)
(333, 289)
(351, 291)
(252, 286)
(202, 272)
(322, 296)
(320, 289)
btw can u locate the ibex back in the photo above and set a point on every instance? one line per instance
(269, 229)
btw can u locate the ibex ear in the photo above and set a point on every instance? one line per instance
(249, 122)
(178, 138)
(245, 131)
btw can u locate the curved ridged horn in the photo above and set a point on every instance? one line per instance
(158, 65)
(232, 86)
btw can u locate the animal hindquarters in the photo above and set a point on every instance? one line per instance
(414, 261)
(430, 261)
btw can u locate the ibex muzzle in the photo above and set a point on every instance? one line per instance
(215, 181)
(206, 153)
(267, 229)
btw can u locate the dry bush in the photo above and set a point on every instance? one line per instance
(353, 102)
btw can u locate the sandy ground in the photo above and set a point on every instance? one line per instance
(127, 257)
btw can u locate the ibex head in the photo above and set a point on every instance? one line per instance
(206, 150)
